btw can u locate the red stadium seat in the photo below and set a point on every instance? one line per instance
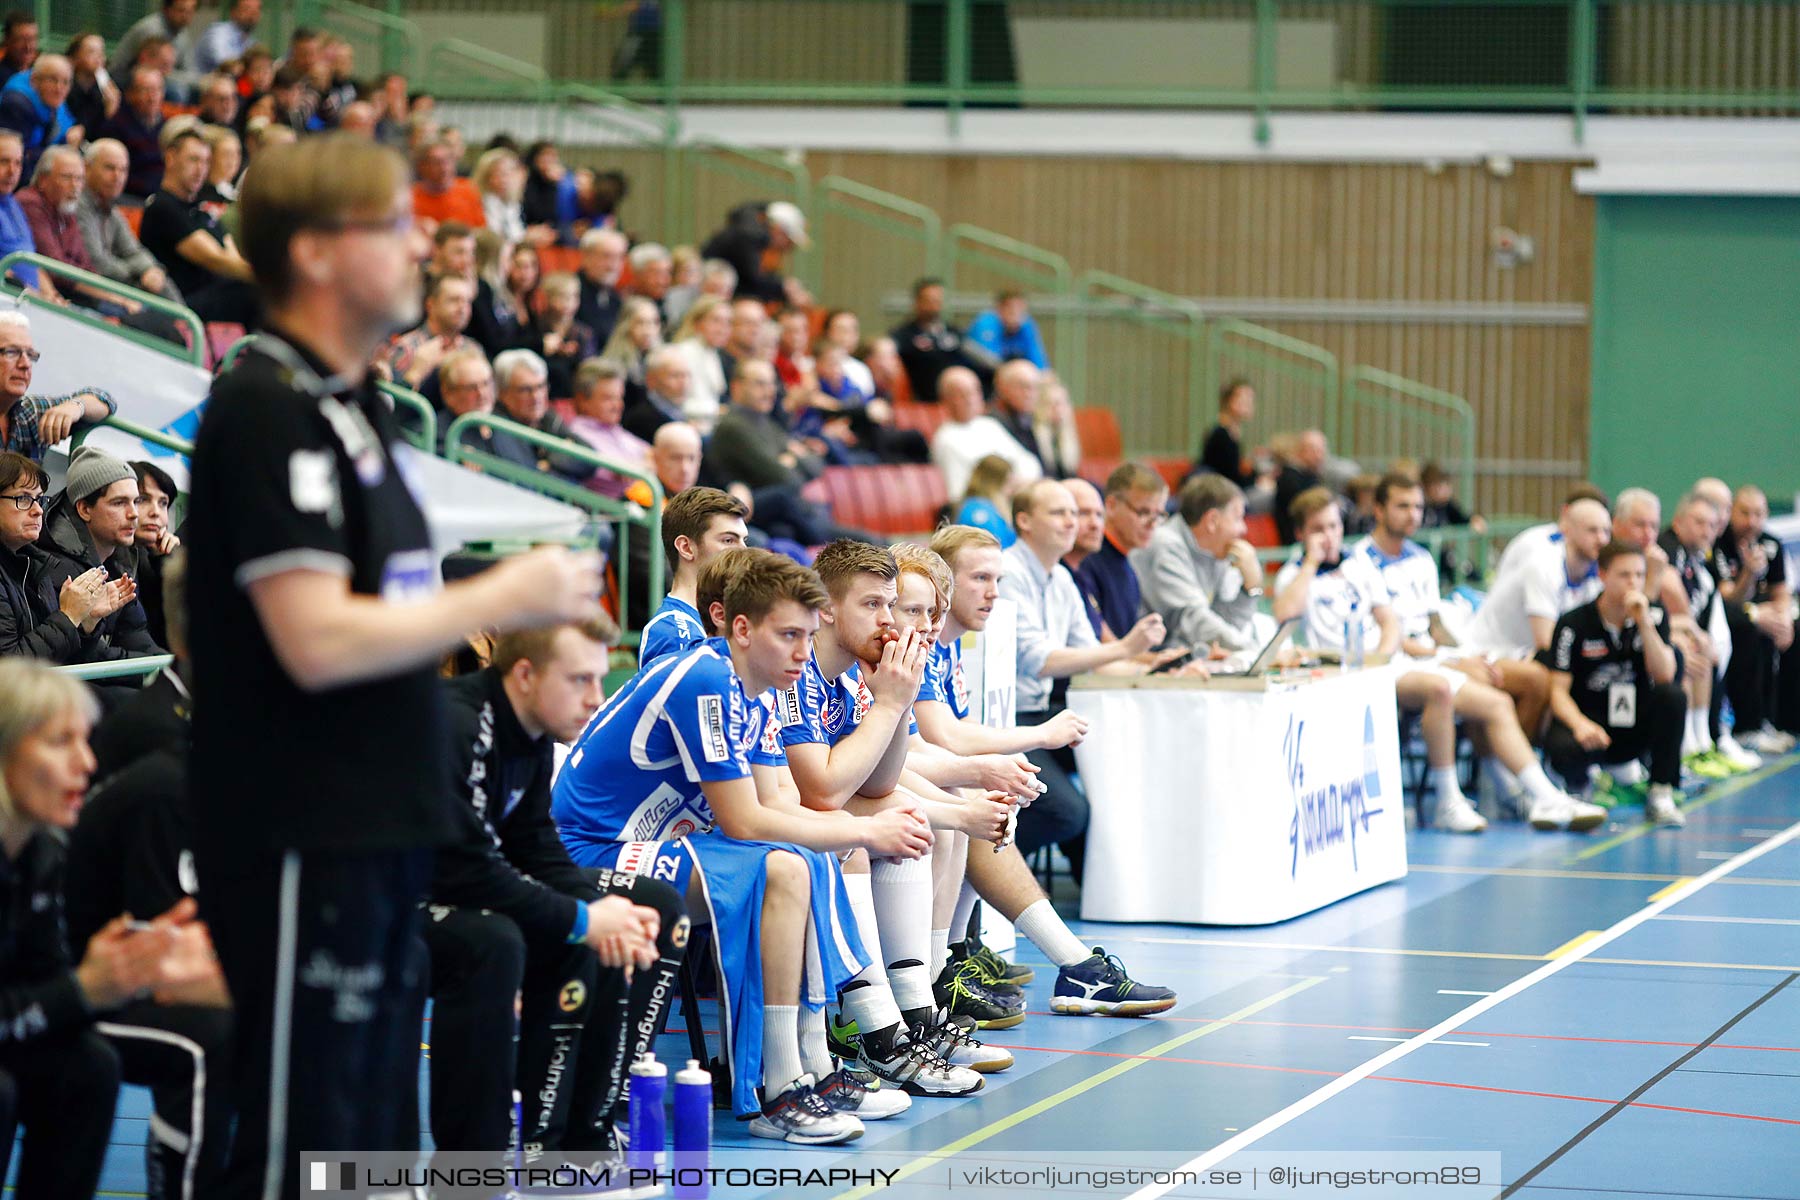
(889, 499)
(1098, 429)
(1260, 531)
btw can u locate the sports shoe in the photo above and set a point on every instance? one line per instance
(800, 1116)
(1661, 809)
(1736, 755)
(960, 990)
(1565, 812)
(916, 1068)
(1767, 740)
(953, 1040)
(994, 969)
(1708, 764)
(1609, 792)
(842, 1038)
(1456, 815)
(1099, 986)
(858, 1092)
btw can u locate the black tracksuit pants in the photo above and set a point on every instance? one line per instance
(182, 1053)
(62, 1090)
(1661, 711)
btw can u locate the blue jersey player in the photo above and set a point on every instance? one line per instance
(661, 783)
(698, 525)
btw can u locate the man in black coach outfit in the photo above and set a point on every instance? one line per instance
(317, 776)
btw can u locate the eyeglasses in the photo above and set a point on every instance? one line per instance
(24, 500)
(15, 353)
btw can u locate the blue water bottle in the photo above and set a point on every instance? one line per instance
(693, 1130)
(649, 1125)
(1353, 639)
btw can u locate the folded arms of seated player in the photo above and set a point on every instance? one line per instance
(1006, 773)
(868, 760)
(939, 725)
(738, 813)
(982, 817)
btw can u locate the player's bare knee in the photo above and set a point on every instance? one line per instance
(787, 877)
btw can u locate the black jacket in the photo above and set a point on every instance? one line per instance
(32, 623)
(38, 992)
(742, 243)
(126, 633)
(507, 857)
(132, 850)
(156, 718)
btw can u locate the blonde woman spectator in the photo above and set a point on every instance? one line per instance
(843, 329)
(1059, 443)
(637, 333)
(988, 499)
(701, 339)
(500, 178)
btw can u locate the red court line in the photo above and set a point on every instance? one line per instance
(1545, 1037)
(1467, 1087)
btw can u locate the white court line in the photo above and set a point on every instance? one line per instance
(1733, 920)
(1450, 1024)
(1459, 992)
(1357, 1037)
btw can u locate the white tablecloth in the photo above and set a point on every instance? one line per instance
(1239, 808)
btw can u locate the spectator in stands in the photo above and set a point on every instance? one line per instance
(564, 342)
(174, 24)
(223, 170)
(34, 105)
(255, 76)
(843, 329)
(1053, 426)
(391, 109)
(136, 126)
(718, 279)
(794, 364)
(702, 338)
(1302, 471)
(93, 97)
(418, 352)
(515, 279)
(885, 368)
(499, 177)
(466, 385)
(929, 345)
(455, 251)
(659, 372)
(18, 44)
(1222, 451)
(523, 381)
(155, 541)
(59, 1076)
(262, 134)
(1759, 605)
(602, 263)
(754, 233)
(219, 101)
(751, 445)
(987, 501)
(1199, 574)
(288, 102)
(847, 424)
(225, 41)
(50, 205)
(359, 117)
(1008, 331)
(1441, 507)
(1090, 535)
(92, 523)
(439, 194)
(749, 319)
(1133, 505)
(548, 199)
(30, 425)
(335, 80)
(37, 620)
(968, 436)
(1612, 686)
(1360, 518)
(599, 407)
(113, 250)
(1056, 642)
(15, 228)
(200, 256)
(652, 274)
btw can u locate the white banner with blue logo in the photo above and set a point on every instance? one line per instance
(1223, 807)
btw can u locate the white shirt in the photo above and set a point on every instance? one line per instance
(706, 383)
(1411, 579)
(1525, 544)
(959, 445)
(1538, 585)
(1355, 585)
(1051, 617)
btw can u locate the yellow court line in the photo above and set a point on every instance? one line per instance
(1661, 892)
(932, 1158)
(1715, 793)
(1572, 943)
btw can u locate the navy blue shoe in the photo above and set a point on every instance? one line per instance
(1099, 987)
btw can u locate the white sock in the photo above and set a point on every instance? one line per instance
(815, 1055)
(902, 898)
(1045, 930)
(1505, 780)
(1537, 783)
(940, 951)
(1696, 738)
(965, 908)
(871, 1007)
(781, 1048)
(1448, 787)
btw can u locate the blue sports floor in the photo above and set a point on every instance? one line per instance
(1534, 995)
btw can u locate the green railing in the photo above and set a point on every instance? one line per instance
(1387, 417)
(624, 513)
(718, 176)
(1297, 383)
(143, 433)
(194, 352)
(425, 436)
(977, 259)
(122, 668)
(1142, 353)
(910, 238)
(480, 72)
(383, 41)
